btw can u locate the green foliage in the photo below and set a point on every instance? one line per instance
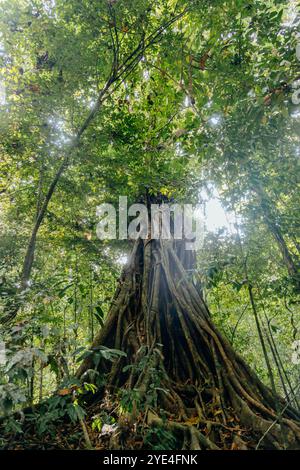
(160, 438)
(139, 399)
(206, 107)
(101, 352)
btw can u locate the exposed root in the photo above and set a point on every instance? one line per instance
(160, 320)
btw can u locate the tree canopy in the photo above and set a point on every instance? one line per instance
(189, 100)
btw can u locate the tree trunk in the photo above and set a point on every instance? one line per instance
(206, 389)
(290, 261)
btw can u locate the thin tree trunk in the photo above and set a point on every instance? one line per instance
(118, 74)
(288, 259)
(91, 308)
(41, 382)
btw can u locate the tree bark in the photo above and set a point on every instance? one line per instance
(160, 320)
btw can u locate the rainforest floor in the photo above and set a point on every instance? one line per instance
(63, 434)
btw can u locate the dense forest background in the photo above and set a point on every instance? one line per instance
(193, 100)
